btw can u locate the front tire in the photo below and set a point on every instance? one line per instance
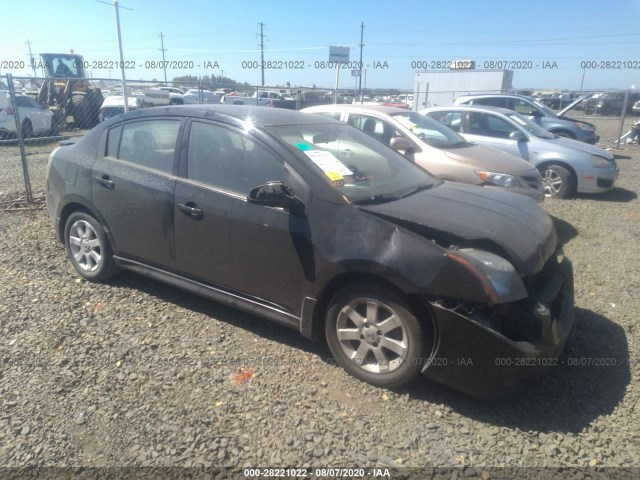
(374, 335)
(27, 129)
(557, 181)
(88, 248)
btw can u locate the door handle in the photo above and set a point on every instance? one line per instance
(105, 181)
(190, 209)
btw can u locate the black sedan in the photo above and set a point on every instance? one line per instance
(313, 224)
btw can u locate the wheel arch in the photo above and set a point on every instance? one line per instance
(25, 122)
(563, 164)
(560, 131)
(77, 206)
(313, 324)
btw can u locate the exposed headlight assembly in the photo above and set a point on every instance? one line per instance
(497, 276)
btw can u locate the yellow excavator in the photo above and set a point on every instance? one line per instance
(67, 92)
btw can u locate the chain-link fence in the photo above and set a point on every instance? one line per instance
(38, 113)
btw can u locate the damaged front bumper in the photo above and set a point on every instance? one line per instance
(486, 351)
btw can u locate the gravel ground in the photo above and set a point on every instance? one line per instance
(136, 373)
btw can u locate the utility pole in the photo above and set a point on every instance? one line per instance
(261, 34)
(116, 7)
(32, 61)
(360, 64)
(164, 64)
(124, 78)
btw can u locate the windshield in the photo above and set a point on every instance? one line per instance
(531, 127)
(544, 108)
(355, 164)
(429, 131)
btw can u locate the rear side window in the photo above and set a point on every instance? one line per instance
(334, 115)
(491, 102)
(150, 143)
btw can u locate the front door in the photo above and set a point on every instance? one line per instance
(222, 239)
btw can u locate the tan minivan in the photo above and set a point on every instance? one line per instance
(438, 149)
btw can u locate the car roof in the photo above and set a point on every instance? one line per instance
(356, 107)
(487, 108)
(496, 95)
(260, 116)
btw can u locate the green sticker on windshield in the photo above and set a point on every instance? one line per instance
(303, 147)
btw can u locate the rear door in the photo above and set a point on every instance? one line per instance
(133, 188)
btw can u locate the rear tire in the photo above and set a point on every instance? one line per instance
(374, 335)
(88, 247)
(557, 181)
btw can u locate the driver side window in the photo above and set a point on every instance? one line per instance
(375, 127)
(230, 160)
(523, 107)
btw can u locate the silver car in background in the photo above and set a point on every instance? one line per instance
(537, 113)
(566, 165)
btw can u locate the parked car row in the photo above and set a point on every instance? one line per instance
(611, 103)
(319, 225)
(438, 149)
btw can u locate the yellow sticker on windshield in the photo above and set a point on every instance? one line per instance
(334, 176)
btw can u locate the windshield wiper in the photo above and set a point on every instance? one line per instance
(377, 199)
(416, 190)
(390, 197)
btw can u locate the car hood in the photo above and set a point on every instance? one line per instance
(488, 158)
(569, 145)
(510, 224)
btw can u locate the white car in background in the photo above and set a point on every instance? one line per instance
(195, 95)
(34, 118)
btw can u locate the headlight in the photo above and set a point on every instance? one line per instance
(500, 179)
(497, 276)
(585, 127)
(600, 162)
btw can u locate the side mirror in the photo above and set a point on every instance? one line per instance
(401, 143)
(276, 194)
(517, 136)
